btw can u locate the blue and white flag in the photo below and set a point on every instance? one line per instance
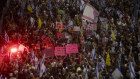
(32, 21)
(97, 70)
(81, 4)
(119, 62)
(49, 5)
(21, 13)
(102, 3)
(36, 62)
(102, 63)
(132, 27)
(120, 14)
(43, 59)
(32, 4)
(133, 62)
(51, 14)
(22, 3)
(93, 54)
(42, 69)
(121, 48)
(86, 73)
(115, 32)
(108, 9)
(103, 20)
(6, 38)
(132, 71)
(70, 24)
(37, 11)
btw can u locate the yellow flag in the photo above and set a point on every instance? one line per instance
(77, 18)
(39, 23)
(29, 8)
(113, 35)
(108, 60)
(82, 22)
(69, 29)
(81, 32)
(106, 26)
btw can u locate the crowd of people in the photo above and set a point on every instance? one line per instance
(114, 44)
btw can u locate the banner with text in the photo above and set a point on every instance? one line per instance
(60, 51)
(71, 48)
(48, 52)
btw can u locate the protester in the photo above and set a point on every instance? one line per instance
(108, 48)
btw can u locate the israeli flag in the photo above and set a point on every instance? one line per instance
(42, 69)
(132, 71)
(32, 21)
(108, 9)
(103, 20)
(93, 54)
(70, 24)
(32, 4)
(102, 63)
(97, 70)
(120, 14)
(43, 58)
(6, 37)
(115, 32)
(86, 73)
(37, 11)
(49, 5)
(102, 3)
(36, 62)
(119, 62)
(133, 61)
(21, 13)
(121, 50)
(81, 5)
(51, 14)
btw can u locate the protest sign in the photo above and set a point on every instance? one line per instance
(88, 32)
(82, 40)
(90, 13)
(71, 48)
(76, 28)
(58, 25)
(60, 51)
(48, 52)
(92, 27)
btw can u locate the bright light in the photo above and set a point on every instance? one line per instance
(13, 50)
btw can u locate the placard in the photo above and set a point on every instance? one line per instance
(60, 51)
(90, 13)
(71, 48)
(76, 28)
(48, 52)
(58, 25)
